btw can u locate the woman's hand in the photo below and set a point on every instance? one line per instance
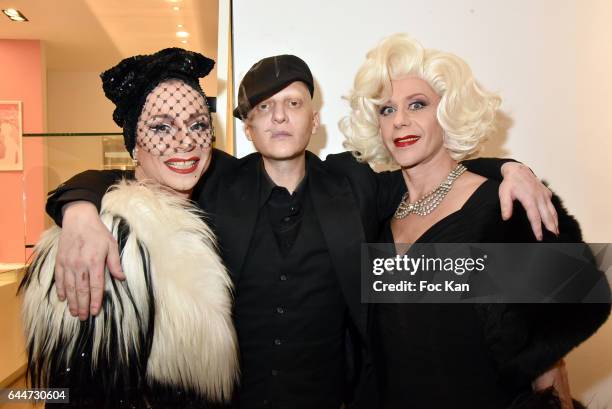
(558, 379)
(85, 246)
(521, 184)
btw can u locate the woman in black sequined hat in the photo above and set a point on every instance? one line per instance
(164, 337)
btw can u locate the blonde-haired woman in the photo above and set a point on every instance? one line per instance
(423, 110)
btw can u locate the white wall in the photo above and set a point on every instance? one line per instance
(222, 120)
(551, 61)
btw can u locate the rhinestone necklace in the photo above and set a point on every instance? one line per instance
(431, 200)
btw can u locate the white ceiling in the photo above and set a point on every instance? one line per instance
(93, 35)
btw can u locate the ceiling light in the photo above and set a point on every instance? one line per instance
(11, 12)
(182, 34)
(176, 8)
(179, 26)
(184, 41)
(14, 15)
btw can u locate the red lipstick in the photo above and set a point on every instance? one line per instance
(182, 165)
(407, 140)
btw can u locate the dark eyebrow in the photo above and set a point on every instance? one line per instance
(171, 118)
(161, 116)
(197, 114)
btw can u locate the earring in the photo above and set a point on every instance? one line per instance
(134, 158)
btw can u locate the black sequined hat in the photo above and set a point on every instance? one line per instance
(269, 76)
(128, 83)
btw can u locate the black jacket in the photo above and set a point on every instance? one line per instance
(350, 201)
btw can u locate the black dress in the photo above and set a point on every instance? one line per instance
(440, 355)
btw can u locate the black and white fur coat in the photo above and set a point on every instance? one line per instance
(164, 336)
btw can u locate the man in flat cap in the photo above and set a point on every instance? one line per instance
(290, 227)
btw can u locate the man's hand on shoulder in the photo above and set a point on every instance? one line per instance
(521, 184)
(85, 247)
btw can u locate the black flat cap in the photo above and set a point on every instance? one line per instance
(269, 76)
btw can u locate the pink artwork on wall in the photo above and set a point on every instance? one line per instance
(11, 146)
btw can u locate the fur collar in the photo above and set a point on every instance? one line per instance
(169, 323)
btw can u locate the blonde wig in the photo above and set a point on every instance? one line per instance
(466, 112)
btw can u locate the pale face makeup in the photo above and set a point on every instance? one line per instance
(280, 127)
